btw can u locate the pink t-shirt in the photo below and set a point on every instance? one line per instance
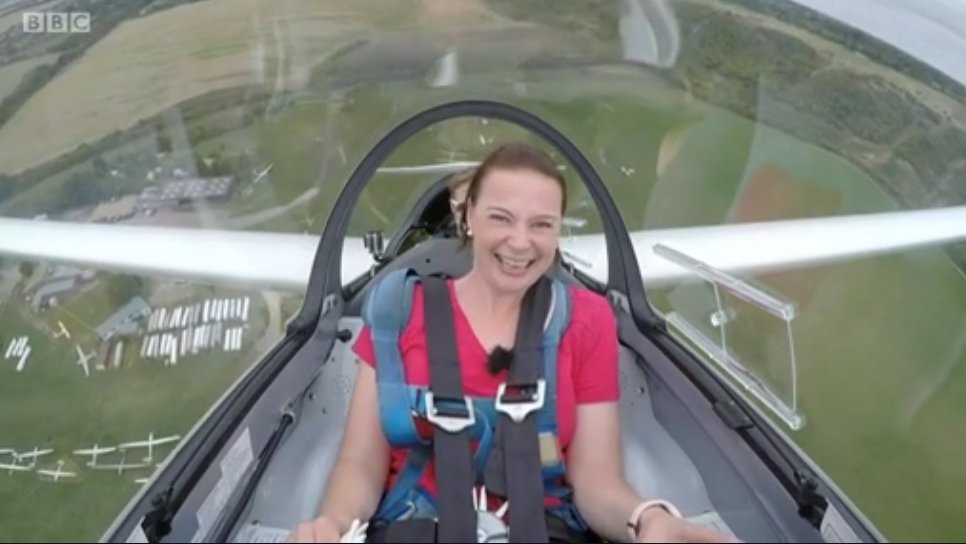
(586, 368)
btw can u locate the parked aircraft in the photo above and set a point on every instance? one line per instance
(62, 331)
(32, 456)
(22, 363)
(94, 451)
(149, 444)
(58, 473)
(83, 360)
(261, 175)
(12, 467)
(119, 467)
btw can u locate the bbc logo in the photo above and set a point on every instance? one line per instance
(56, 21)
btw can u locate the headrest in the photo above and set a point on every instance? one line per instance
(444, 256)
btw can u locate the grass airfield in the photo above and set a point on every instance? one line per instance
(51, 404)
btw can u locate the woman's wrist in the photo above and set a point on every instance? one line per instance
(648, 518)
(335, 521)
(647, 513)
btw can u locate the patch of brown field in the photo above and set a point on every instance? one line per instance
(149, 64)
(772, 194)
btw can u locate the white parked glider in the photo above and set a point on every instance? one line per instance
(56, 474)
(93, 452)
(83, 360)
(149, 444)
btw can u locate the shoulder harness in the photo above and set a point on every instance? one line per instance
(405, 410)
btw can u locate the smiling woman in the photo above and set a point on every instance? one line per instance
(493, 317)
(512, 248)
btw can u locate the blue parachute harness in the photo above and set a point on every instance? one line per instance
(386, 313)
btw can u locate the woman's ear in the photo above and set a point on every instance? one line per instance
(465, 209)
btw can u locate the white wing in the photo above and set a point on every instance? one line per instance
(95, 450)
(269, 259)
(777, 245)
(150, 442)
(241, 256)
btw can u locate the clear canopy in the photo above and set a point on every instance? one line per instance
(221, 114)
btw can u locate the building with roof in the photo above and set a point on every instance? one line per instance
(125, 320)
(52, 289)
(63, 271)
(60, 281)
(115, 210)
(183, 193)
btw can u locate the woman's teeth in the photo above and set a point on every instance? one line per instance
(510, 262)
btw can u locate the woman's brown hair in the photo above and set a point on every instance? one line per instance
(461, 178)
(512, 156)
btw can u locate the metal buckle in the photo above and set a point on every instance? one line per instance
(452, 423)
(518, 410)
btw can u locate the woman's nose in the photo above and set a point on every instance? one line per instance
(519, 238)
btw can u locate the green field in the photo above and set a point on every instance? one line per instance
(879, 342)
(879, 366)
(57, 407)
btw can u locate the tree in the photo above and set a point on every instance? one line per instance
(26, 269)
(121, 289)
(100, 166)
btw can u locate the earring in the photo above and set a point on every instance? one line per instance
(469, 232)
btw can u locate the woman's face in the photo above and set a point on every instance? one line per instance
(515, 226)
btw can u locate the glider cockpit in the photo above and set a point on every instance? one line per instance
(258, 465)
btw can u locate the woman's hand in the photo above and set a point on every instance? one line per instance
(658, 525)
(320, 529)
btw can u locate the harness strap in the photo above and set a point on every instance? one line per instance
(451, 414)
(514, 470)
(403, 407)
(387, 313)
(397, 503)
(482, 429)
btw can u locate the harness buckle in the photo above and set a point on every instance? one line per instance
(450, 415)
(522, 401)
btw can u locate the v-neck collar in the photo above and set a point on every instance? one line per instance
(464, 319)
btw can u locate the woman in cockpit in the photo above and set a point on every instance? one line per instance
(511, 221)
